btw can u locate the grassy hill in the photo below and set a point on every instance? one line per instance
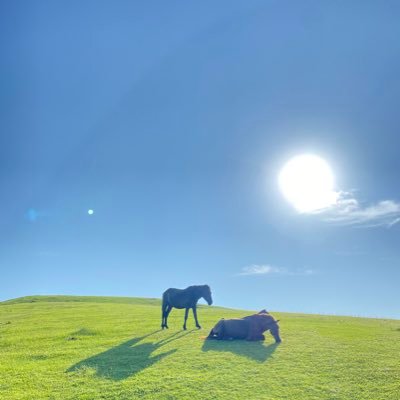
(64, 347)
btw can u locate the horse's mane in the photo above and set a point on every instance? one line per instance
(197, 286)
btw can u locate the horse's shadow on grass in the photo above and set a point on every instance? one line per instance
(254, 350)
(126, 359)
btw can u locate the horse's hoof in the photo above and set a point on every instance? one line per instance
(198, 327)
(184, 328)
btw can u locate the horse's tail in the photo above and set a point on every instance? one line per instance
(218, 332)
(164, 302)
(163, 309)
(211, 335)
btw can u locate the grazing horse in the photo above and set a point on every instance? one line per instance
(184, 298)
(250, 328)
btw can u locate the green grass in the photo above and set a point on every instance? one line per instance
(62, 347)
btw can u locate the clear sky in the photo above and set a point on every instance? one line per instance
(171, 121)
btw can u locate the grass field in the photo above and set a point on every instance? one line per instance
(60, 347)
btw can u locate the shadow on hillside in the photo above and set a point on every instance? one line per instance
(128, 358)
(254, 350)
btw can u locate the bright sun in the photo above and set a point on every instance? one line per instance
(307, 182)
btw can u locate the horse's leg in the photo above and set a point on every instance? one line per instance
(195, 317)
(186, 317)
(164, 308)
(167, 311)
(251, 330)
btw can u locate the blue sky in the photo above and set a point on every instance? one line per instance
(172, 120)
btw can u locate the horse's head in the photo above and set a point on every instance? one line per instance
(206, 294)
(274, 329)
(266, 322)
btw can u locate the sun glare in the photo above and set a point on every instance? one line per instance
(307, 182)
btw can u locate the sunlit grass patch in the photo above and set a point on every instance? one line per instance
(72, 348)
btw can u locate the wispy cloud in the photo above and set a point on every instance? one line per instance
(394, 222)
(260, 270)
(265, 269)
(349, 211)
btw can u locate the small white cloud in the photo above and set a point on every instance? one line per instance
(348, 211)
(308, 272)
(257, 269)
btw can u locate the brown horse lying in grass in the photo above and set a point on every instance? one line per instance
(250, 328)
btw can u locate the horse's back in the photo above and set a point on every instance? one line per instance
(170, 290)
(235, 328)
(173, 292)
(178, 298)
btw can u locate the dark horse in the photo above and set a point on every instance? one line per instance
(184, 298)
(251, 328)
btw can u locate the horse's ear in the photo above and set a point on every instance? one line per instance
(263, 311)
